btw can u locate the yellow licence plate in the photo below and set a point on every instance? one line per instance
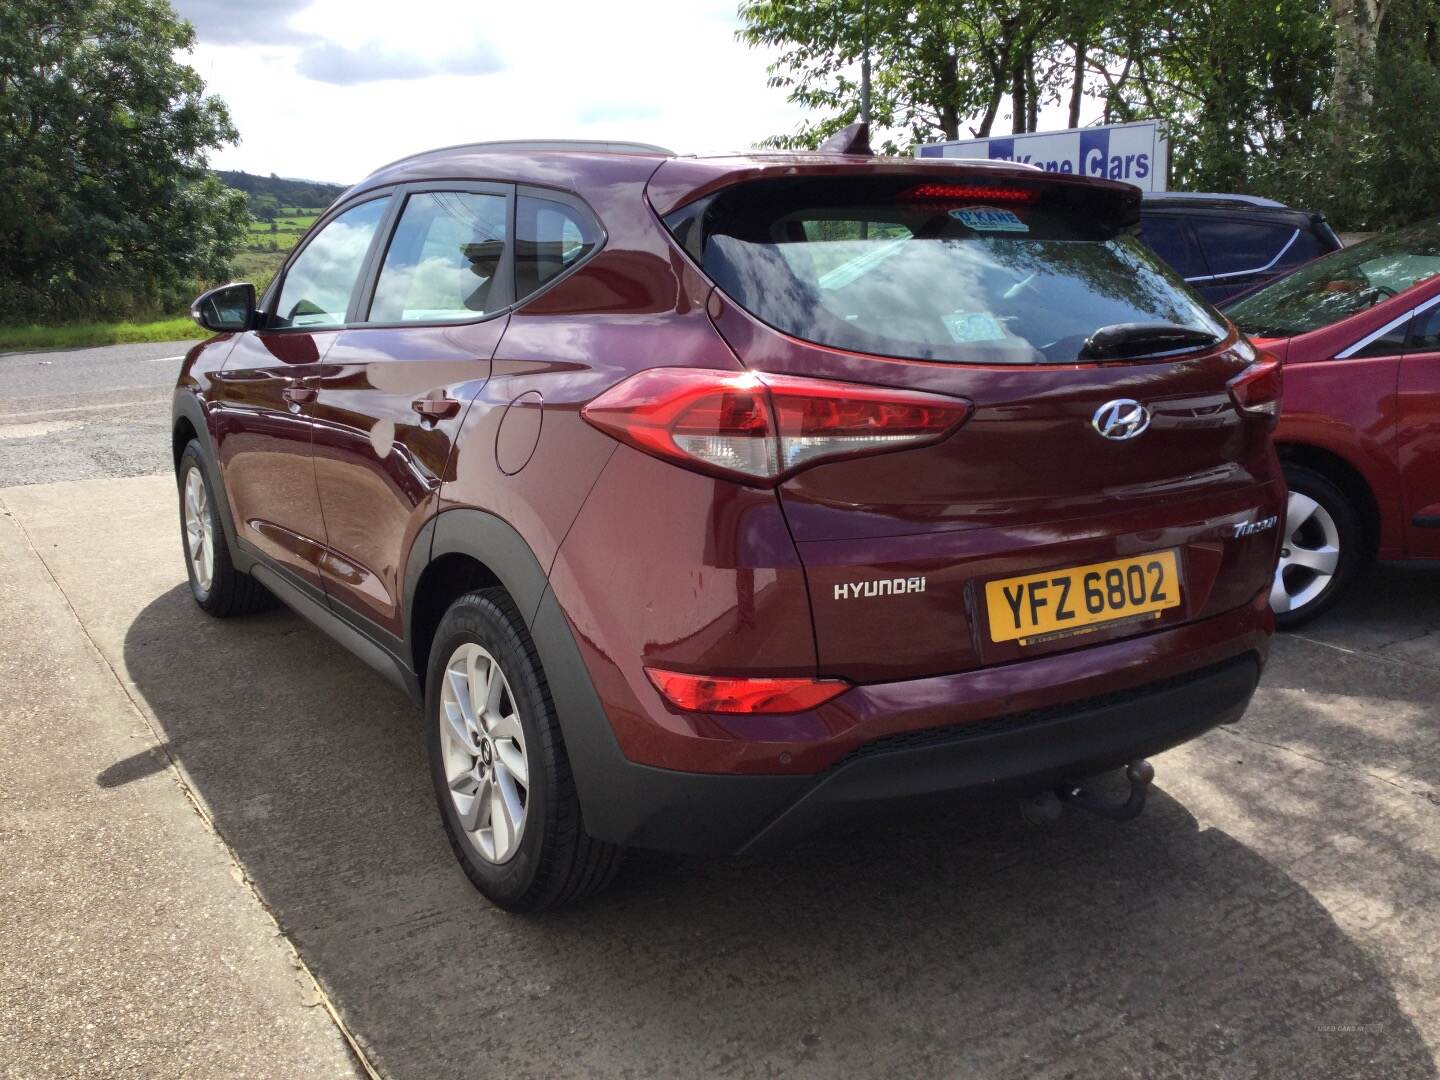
(1060, 602)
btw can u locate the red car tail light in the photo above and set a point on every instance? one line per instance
(1257, 389)
(721, 694)
(759, 428)
(972, 193)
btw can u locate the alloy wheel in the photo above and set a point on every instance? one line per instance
(1310, 555)
(199, 530)
(487, 771)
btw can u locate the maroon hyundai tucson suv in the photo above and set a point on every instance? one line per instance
(704, 501)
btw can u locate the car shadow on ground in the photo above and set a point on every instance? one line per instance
(964, 943)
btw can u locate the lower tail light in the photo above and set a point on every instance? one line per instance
(721, 694)
(761, 428)
(1257, 390)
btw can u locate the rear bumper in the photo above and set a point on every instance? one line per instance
(1011, 755)
(1019, 754)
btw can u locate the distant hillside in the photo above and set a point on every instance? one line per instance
(276, 191)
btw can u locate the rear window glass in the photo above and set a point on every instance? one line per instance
(950, 272)
(550, 237)
(1340, 285)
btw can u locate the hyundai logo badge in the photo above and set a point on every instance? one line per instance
(1121, 419)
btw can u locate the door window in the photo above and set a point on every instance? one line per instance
(445, 261)
(317, 287)
(1238, 247)
(550, 237)
(1425, 332)
(1170, 238)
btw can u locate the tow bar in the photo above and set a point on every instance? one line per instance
(1047, 805)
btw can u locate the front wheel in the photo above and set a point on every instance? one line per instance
(217, 586)
(1320, 551)
(502, 778)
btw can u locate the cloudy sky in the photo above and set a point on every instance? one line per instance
(330, 89)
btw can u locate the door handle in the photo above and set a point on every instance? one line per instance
(299, 395)
(435, 409)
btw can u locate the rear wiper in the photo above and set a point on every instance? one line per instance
(1125, 341)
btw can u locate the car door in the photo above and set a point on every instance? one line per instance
(394, 387)
(1418, 432)
(260, 400)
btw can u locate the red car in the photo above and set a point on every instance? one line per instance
(1359, 435)
(701, 502)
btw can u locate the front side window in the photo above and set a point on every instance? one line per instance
(1341, 284)
(317, 288)
(444, 263)
(550, 237)
(956, 273)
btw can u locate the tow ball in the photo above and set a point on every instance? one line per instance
(1048, 805)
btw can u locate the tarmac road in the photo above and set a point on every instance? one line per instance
(76, 414)
(1274, 913)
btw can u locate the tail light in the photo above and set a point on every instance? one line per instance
(972, 193)
(721, 694)
(760, 428)
(1257, 389)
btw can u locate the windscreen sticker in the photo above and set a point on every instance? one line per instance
(973, 326)
(989, 219)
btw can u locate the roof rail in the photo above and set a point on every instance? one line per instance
(603, 146)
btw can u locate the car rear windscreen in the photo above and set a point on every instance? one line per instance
(957, 271)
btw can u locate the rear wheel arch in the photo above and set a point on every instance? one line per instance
(1347, 478)
(459, 551)
(470, 548)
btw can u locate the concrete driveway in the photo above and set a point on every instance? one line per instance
(221, 857)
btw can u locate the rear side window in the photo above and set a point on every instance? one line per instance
(1307, 246)
(1169, 237)
(317, 287)
(444, 261)
(550, 237)
(1238, 247)
(957, 272)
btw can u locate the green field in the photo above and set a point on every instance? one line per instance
(82, 335)
(267, 247)
(257, 262)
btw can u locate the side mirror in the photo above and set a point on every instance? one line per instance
(228, 309)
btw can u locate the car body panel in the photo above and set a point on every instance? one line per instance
(379, 465)
(264, 446)
(1377, 414)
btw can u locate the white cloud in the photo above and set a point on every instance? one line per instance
(383, 85)
(327, 61)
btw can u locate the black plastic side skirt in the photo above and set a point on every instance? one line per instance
(394, 670)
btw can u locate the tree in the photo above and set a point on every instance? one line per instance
(1331, 104)
(105, 202)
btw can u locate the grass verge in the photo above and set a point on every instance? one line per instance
(80, 335)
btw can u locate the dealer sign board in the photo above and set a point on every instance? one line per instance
(1134, 152)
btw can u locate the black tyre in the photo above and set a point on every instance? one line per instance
(502, 778)
(1322, 548)
(219, 588)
